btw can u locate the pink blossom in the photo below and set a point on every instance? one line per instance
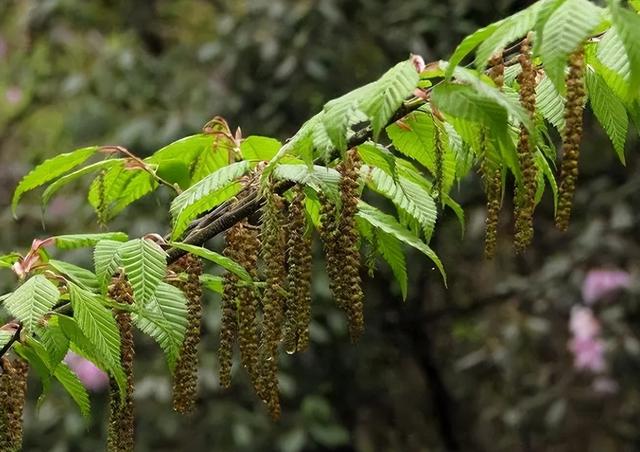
(588, 354)
(583, 324)
(92, 378)
(599, 283)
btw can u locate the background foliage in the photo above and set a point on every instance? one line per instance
(483, 365)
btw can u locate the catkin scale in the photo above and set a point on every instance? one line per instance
(121, 416)
(525, 193)
(571, 139)
(185, 379)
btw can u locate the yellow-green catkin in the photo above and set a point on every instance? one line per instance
(248, 243)
(572, 135)
(491, 171)
(526, 192)
(121, 416)
(229, 311)
(298, 303)
(185, 377)
(348, 241)
(273, 255)
(101, 208)
(333, 253)
(13, 389)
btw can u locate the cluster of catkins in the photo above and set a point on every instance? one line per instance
(260, 320)
(571, 138)
(13, 388)
(525, 194)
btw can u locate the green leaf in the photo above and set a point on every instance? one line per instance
(627, 25)
(320, 178)
(74, 387)
(569, 25)
(406, 195)
(609, 111)
(338, 115)
(550, 103)
(223, 261)
(145, 265)
(468, 44)
(174, 171)
(390, 92)
(97, 324)
(32, 300)
(5, 337)
(72, 241)
(78, 275)
(374, 154)
(390, 225)
(36, 361)
(510, 29)
(164, 318)
(68, 178)
(50, 169)
(390, 248)
(107, 260)
(185, 149)
(256, 147)
(209, 192)
(214, 283)
(54, 340)
(8, 260)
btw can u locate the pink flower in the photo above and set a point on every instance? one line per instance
(583, 324)
(588, 354)
(599, 283)
(92, 378)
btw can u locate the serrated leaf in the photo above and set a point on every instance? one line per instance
(209, 192)
(563, 33)
(8, 260)
(223, 261)
(68, 178)
(72, 241)
(36, 362)
(374, 154)
(390, 248)
(98, 326)
(145, 265)
(627, 24)
(550, 103)
(106, 259)
(74, 387)
(164, 318)
(78, 275)
(406, 195)
(338, 115)
(468, 44)
(320, 178)
(257, 147)
(609, 110)
(510, 29)
(390, 92)
(54, 340)
(5, 337)
(50, 169)
(32, 300)
(390, 225)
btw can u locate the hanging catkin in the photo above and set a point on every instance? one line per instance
(13, 388)
(571, 138)
(526, 192)
(248, 244)
(185, 378)
(229, 313)
(298, 304)
(273, 240)
(491, 171)
(121, 417)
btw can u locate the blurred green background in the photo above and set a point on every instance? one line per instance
(484, 365)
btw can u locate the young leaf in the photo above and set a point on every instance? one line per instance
(468, 44)
(68, 178)
(209, 192)
(223, 261)
(78, 275)
(74, 387)
(390, 225)
(609, 111)
(72, 241)
(50, 169)
(390, 248)
(320, 178)
(5, 337)
(257, 147)
(214, 283)
(550, 103)
(32, 300)
(627, 24)
(145, 265)
(8, 260)
(164, 318)
(54, 340)
(106, 259)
